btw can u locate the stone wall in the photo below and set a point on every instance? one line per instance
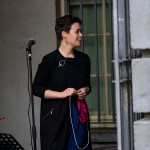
(140, 35)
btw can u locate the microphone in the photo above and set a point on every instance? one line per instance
(30, 43)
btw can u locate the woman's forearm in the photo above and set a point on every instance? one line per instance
(49, 94)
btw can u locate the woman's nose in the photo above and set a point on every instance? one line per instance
(80, 34)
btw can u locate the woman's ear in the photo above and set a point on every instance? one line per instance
(64, 34)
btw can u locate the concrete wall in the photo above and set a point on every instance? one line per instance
(19, 21)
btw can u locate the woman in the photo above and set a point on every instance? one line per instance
(63, 81)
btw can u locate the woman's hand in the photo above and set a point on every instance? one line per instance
(49, 94)
(68, 92)
(82, 92)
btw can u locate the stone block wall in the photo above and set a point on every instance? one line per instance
(141, 88)
(140, 35)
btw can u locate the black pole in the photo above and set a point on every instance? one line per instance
(29, 59)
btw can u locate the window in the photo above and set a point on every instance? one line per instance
(97, 43)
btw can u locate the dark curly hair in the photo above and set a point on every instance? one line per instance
(64, 24)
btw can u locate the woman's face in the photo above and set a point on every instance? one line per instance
(74, 36)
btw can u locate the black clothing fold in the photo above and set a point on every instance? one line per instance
(57, 73)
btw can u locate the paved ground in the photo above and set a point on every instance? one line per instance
(104, 146)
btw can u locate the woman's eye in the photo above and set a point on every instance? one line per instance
(78, 31)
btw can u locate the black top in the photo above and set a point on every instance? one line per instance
(57, 73)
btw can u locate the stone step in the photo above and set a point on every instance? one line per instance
(104, 136)
(104, 146)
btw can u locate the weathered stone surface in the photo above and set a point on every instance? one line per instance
(141, 84)
(140, 24)
(142, 134)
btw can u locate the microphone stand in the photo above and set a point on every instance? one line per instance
(29, 58)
